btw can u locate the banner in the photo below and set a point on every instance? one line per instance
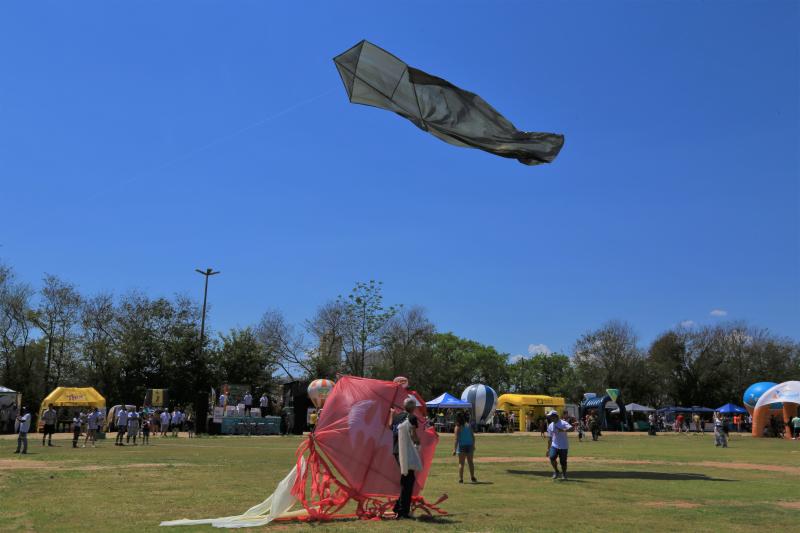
(156, 398)
(613, 394)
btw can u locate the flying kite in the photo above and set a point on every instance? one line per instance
(372, 76)
(348, 458)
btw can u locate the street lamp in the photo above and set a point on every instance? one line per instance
(201, 403)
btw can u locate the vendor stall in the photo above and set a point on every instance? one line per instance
(9, 404)
(73, 397)
(445, 421)
(529, 407)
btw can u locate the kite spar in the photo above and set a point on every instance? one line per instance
(372, 76)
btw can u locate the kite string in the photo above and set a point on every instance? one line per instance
(194, 151)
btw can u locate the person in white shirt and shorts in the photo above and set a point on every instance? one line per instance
(558, 443)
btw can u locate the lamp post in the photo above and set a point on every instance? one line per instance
(201, 402)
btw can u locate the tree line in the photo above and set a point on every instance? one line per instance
(124, 344)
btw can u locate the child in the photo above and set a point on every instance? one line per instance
(145, 430)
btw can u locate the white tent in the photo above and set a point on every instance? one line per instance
(635, 408)
(788, 391)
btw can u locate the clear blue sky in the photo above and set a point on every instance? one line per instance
(139, 141)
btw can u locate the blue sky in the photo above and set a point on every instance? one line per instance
(139, 141)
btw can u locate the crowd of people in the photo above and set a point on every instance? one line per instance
(133, 425)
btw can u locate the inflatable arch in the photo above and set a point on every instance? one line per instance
(787, 394)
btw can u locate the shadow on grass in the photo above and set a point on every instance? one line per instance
(578, 475)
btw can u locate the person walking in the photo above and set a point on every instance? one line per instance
(464, 447)
(796, 427)
(49, 418)
(76, 428)
(22, 424)
(558, 443)
(720, 438)
(122, 425)
(263, 403)
(594, 426)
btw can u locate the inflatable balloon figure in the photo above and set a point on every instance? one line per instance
(319, 390)
(484, 401)
(347, 460)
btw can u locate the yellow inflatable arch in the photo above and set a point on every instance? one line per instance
(528, 407)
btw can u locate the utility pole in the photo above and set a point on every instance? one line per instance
(201, 401)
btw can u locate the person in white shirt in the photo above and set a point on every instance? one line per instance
(49, 418)
(164, 422)
(248, 403)
(122, 425)
(177, 418)
(76, 429)
(558, 443)
(223, 400)
(22, 425)
(133, 426)
(263, 402)
(91, 432)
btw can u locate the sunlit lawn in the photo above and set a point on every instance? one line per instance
(630, 482)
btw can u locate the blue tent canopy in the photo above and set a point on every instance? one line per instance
(730, 408)
(674, 409)
(448, 401)
(596, 402)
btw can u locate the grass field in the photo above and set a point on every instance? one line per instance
(621, 483)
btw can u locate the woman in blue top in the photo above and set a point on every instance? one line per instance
(464, 447)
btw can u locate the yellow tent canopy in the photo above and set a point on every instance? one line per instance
(529, 406)
(73, 397)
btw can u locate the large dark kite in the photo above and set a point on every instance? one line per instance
(373, 76)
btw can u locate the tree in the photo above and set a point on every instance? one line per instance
(365, 320)
(548, 374)
(102, 363)
(406, 345)
(241, 358)
(284, 344)
(15, 321)
(328, 329)
(610, 357)
(57, 317)
(454, 363)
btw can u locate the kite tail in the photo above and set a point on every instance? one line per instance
(276, 506)
(327, 495)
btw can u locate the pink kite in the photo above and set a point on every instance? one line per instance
(348, 457)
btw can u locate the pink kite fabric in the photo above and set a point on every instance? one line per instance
(349, 455)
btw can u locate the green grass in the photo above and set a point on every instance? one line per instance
(103, 489)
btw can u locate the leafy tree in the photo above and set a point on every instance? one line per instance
(610, 357)
(365, 321)
(406, 346)
(241, 358)
(548, 374)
